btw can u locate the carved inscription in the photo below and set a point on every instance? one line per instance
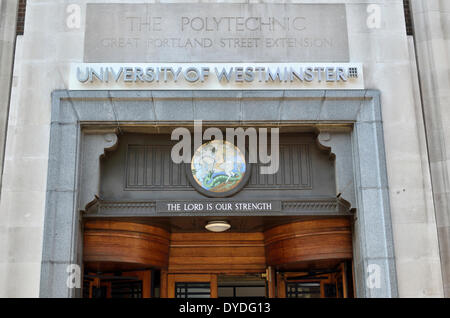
(216, 33)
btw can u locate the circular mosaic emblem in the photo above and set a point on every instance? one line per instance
(218, 167)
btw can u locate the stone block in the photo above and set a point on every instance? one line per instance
(380, 277)
(358, 13)
(58, 229)
(174, 110)
(64, 113)
(96, 110)
(337, 110)
(47, 17)
(39, 46)
(32, 108)
(409, 204)
(305, 109)
(22, 280)
(43, 76)
(372, 175)
(134, 110)
(416, 241)
(427, 280)
(25, 174)
(4, 245)
(377, 230)
(70, 47)
(25, 244)
(217, 110)
(23, 209)
(63, 157)
(29, 141)
(263, 110)
(56, 287)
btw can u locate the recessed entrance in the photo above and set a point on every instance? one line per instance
(101, 151)
(303, 258)
(157, 230)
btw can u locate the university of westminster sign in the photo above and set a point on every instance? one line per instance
(216, 46)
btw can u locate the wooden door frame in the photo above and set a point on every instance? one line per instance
(146, 278)
(330, 278)
(144, 275)
(191, 278)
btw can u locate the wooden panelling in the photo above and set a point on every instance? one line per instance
(287, 246)
(321, 239)
(217, 253)
(149, 167)
(140, 170)
(294, 172)
(191, 278)
(125, 242)
(271, 282)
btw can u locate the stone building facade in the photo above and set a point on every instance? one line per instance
(387, 138)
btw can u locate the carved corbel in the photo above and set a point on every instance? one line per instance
(338, 143)
(323, 139)
(94, 146)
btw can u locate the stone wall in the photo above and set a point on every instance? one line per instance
(432, 35)
(8, 15)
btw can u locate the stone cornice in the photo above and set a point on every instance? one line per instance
(310, 207)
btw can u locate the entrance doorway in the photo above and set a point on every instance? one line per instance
(310, 258)
(332, 283)
(216, 286)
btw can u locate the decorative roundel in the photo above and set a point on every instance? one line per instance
(218, 169)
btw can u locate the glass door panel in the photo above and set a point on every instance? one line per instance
(251, 285)
(192, 290)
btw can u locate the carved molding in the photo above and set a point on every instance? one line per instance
(142, 170)
(94, 146)
(296, 207)
(323, 140)
(323, 207)
(340, 149)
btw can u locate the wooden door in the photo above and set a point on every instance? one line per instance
(343, 288)
(271, 282)
(192, 285)
(130, 284)
(335, 283)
